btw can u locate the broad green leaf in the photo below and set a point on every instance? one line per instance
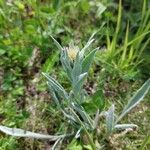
(97, 102)
(98, 99)
(136, 99)
(89, 107)
(23, 133)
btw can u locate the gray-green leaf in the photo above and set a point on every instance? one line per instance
(58, 88)
(136, 99)
(125, 126)
(23, 133)
(88, 60)
(77, 87)
(85, 47)
(110, 119)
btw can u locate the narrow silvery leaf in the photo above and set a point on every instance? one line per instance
(67, 115)
(77, 87)
(83, 114)
(125, 126)
(88, 60)
(49, 78)
(85, 48)
(54, 96)
(58, 88)
(72, 119)
(76, 71)
(60, 92)
(110, 119)
(136, 99)
(66, 63)
(22, 133)
(57, 44)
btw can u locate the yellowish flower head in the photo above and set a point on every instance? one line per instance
(72, 51)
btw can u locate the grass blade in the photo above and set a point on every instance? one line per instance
(145, 142)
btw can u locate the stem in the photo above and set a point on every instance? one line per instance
(84, 128)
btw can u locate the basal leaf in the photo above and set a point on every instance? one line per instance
(23, 133)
